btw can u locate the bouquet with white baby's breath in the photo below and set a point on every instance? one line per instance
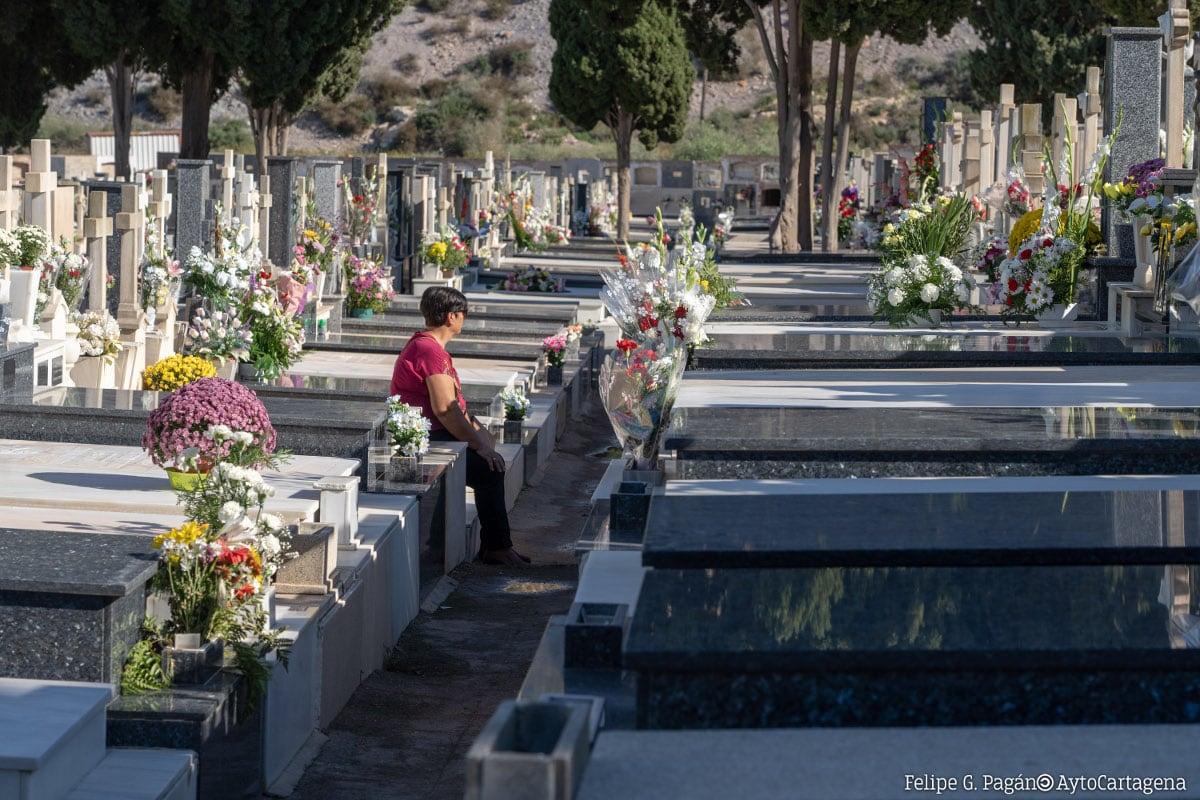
(408, 428)
(912, 287)
(99, 335)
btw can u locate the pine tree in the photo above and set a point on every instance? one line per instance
(631, 77)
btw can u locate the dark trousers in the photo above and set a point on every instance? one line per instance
(488, 485)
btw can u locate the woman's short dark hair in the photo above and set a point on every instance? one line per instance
(439, 301)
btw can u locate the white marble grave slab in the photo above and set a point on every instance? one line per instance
(63, 475)
(379, 366)
(1035, 387)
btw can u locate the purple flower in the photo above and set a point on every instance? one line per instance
(183, 417)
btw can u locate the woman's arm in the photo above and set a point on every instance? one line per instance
(443, 398)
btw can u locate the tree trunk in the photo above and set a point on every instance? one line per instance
(622, 128)
(197, 105)
(804, 238)
(848, 74)
(270, 127)
(122, 79)
(830, 168)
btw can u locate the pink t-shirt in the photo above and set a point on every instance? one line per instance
(421, 357)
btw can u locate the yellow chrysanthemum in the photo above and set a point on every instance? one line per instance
(175, 371)
(1031, 221)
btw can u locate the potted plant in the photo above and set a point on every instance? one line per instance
(176, 436)
(408, 430)
(555, 349)
(221, 337)
(367, 292)
(516, 408)
(276, 336)
(175, 371)
(99, 343)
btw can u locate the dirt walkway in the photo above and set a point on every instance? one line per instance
(405, 733)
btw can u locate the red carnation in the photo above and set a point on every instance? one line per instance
(680, 312)
(626, 345)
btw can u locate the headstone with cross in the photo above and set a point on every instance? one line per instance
(130, 225)
(247, 206)
(40, 183)
(264, 214)
(9, 196)
(97, 227)
(1176, 26)
(987, 150)
(228, 173)
(161, 336)
(1006, 129)
(381, 201)
(1089, 103)
(1066, 112)
(1030, 132)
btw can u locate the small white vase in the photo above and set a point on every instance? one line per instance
(1061, 315)
(1143, 249)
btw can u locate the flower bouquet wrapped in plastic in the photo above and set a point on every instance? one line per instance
(637, 387)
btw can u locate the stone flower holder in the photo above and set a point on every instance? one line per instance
(316, 556)
(554, 375)
(535, 751)
(404, 469)
(190, 661)
(514, 431)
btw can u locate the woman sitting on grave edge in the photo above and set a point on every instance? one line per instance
(424, 377)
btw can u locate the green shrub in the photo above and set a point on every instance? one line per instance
(434, 6)
(348, 118)
(512, 59)
(406, 63)
(443, 124)
(387, 90)
(165, 102)
(68, 135)
(496, 9)
(231, 134)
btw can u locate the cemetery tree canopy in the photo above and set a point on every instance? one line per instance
(114, 34)
(34, 58)
(199, 57)
(294, 51)
(635, 77)
(1141, 13)
(1040, 46)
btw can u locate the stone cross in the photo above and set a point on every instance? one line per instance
(1090, 103)
(1132, 85)
(1005, 131)
(987, 150)
(381, 200)
(1030, 131)
(1066, 111)
(264, 214)
(131, 223)
(40, 183)
(228, 173)
(248, 203)
(970, 161)
(63, 214)
(97, 227)
(303, 193)
(1176, 28)
(8, 195)
(160, 209)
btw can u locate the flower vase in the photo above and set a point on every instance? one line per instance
(94, 372)
(226, 368)
(190, 661)
(266, 599)
(935, 318)
(1143, 250)
(430, 272)
(554, 375)
(362, 313)
(184, 481)
(1058, 316)
(404, 469)
(514, 431)
(572, 352)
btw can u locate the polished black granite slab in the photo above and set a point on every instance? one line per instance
(878, 442)
(213, 719)
(916, 646)
(16, 372)
(923, 529)
(803, 350)
(319, 425)
(364, 343)
(71, 604)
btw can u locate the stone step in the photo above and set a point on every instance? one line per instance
(140, 774)
(51, 734)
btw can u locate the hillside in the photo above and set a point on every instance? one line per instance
(480, 69)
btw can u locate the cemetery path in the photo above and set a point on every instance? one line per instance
(405, 732)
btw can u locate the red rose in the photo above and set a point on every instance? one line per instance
(1025, 254)
(680, 312)
(1012, 286)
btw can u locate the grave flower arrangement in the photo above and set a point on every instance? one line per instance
(176, 431)
(368, 288)
(555, 349)
(219, 335)
(174, 371)
(223, 276)
(10, 249)
(637, 388)
(1132, 194)
(445, 250)
(70, 273)
(516, 404)
(276, 336)
(407, 427)
(360, 209)
(531, 279)
(99, 335)
(160, 277)
(988, 255)
(656, 297)
(916, 287)
(1040, 274)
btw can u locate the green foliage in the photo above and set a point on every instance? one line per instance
(387, 91)
(165, 102)
(143, 668)
(350, 118)
(496, 9)
(445, 122)
(231, 134)
(1039, 60)
(724, 133)
(68, 135)
(722, 287)
(642, 70)
(434, 6)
